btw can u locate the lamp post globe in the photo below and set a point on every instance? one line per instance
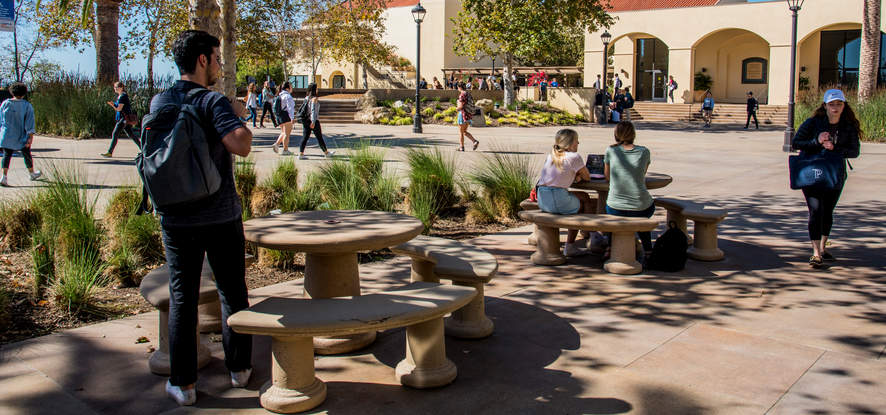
(794, 6)
(418, 14)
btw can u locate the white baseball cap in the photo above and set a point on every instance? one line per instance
(833, 95)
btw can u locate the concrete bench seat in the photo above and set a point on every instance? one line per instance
(464, 264)
(155, 289)
(530, 205)
(705, 217)
(293, 322)
(623, 248)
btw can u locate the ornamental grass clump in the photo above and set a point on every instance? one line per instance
(42, 261)
(431, 184)
(245, 179)
(505, 179)
(79, 278)
(135, 239)
(357, 184)
(18, 220)
(68, 212)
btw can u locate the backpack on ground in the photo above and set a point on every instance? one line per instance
(302, 115)
(669, 251)
(174, 163)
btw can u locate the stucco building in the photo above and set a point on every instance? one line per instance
(743, 46)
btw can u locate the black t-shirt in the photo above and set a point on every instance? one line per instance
(123, 99)
(219, 120)
(752, 104)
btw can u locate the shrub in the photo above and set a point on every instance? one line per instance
(450, 111)
(367, 162)
(78, 279)
(245, 179)
(428, 112)
(404, 121)
(448, 120)
(122, 205)
(383, 120)
(122, 266)
(284, 177)
(871, 115)
(341, 186)
(703, 82)
(431, 181)
(453, 101)
(18, 219)
(505, 180)
(439, 116)
(142, 235)
(264, 200)
(42, 260)
(273, 258)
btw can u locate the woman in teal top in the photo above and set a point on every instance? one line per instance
(625, 169)
(17, 130)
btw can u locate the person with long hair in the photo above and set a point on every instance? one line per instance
(624, 166)
(563, 167)
(17, 128)
(833, 127)
(465, 114)
(312, 123)
(251, 103)
(122, 108)
(267, 99)
(284, 119)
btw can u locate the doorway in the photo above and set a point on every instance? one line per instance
(652, 70)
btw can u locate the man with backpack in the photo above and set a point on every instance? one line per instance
(201, 222)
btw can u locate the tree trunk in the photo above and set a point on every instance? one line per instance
(107, 15)
(228, 47)
(365, 77)
(204, 15)
(509, 83)
(152, 47)
(868, 70)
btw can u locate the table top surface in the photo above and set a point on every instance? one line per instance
(332, 231)
(653, 181)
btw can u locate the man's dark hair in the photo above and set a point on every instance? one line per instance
(188, 48)
(751, 93)
(18, 89)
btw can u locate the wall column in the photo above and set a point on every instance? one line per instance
(680, 67)
(779, 74)
(593, 65)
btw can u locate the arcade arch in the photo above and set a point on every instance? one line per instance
(737, 61)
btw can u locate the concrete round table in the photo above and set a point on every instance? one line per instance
(330, 240)
(653, 181)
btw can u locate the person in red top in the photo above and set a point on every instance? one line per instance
(465, 114)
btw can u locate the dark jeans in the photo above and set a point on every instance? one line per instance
(748, 122)
(26, 154)
(645, 237)
(224, 246)
(306, 134)
(821, 204)
(122, 126)
(251, 116)
(265, 109)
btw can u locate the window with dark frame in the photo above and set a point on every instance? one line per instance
(753, 71)
(840, 56)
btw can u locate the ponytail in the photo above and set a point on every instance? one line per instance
(562, 141)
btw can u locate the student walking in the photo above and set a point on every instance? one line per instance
(267, 98)
(17, 130)
(122, 108)
(211, 226)
(752, 111)
(284, 117)
(465, 114)
(251, 103)
(707, 108)
(834, 128)
(672, 86)
(312, 123)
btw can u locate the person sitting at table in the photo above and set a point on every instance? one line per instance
(563, 167)
(624, 166)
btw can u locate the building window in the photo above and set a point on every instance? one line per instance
(338, 81)
(299, 81)
(753, 71)
(839, 58)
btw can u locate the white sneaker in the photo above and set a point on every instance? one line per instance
(240, 379)
(275, 147)
(571, 250)
(285, 153)
(302, 157)
(36, 175)
(4, 182)
(329, 154)
(180, 396)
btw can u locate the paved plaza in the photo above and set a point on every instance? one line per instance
(759, 332)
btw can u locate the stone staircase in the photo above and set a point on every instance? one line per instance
(338, 111)
(659, 112)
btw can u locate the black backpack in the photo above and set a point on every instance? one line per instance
(669, 251)
(302, 113)
(174, 163)
(277, 109)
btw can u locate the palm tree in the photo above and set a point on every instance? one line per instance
(869, 67)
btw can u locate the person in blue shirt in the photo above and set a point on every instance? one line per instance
(122, 108)
(17, 130)
(707, 108)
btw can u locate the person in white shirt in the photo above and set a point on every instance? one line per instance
(284, 118)
(563, 167)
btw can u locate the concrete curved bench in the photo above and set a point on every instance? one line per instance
(155, 289)
(706, 218)
(623, 248)
(293, 322)
(464, 264)
(530, 205)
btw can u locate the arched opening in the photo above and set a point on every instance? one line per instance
(831, 55)
(737, 61)
(641, 62)
(338, 80)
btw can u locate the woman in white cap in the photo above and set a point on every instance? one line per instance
(833, 127)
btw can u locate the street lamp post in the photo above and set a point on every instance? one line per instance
(418, 14)
(794, 6)
(606, 38)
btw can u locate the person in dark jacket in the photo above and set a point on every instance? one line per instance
(752, 110)
(833, 127)
(123, 107)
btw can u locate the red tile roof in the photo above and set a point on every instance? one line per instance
(401, 3)
(627, 5)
